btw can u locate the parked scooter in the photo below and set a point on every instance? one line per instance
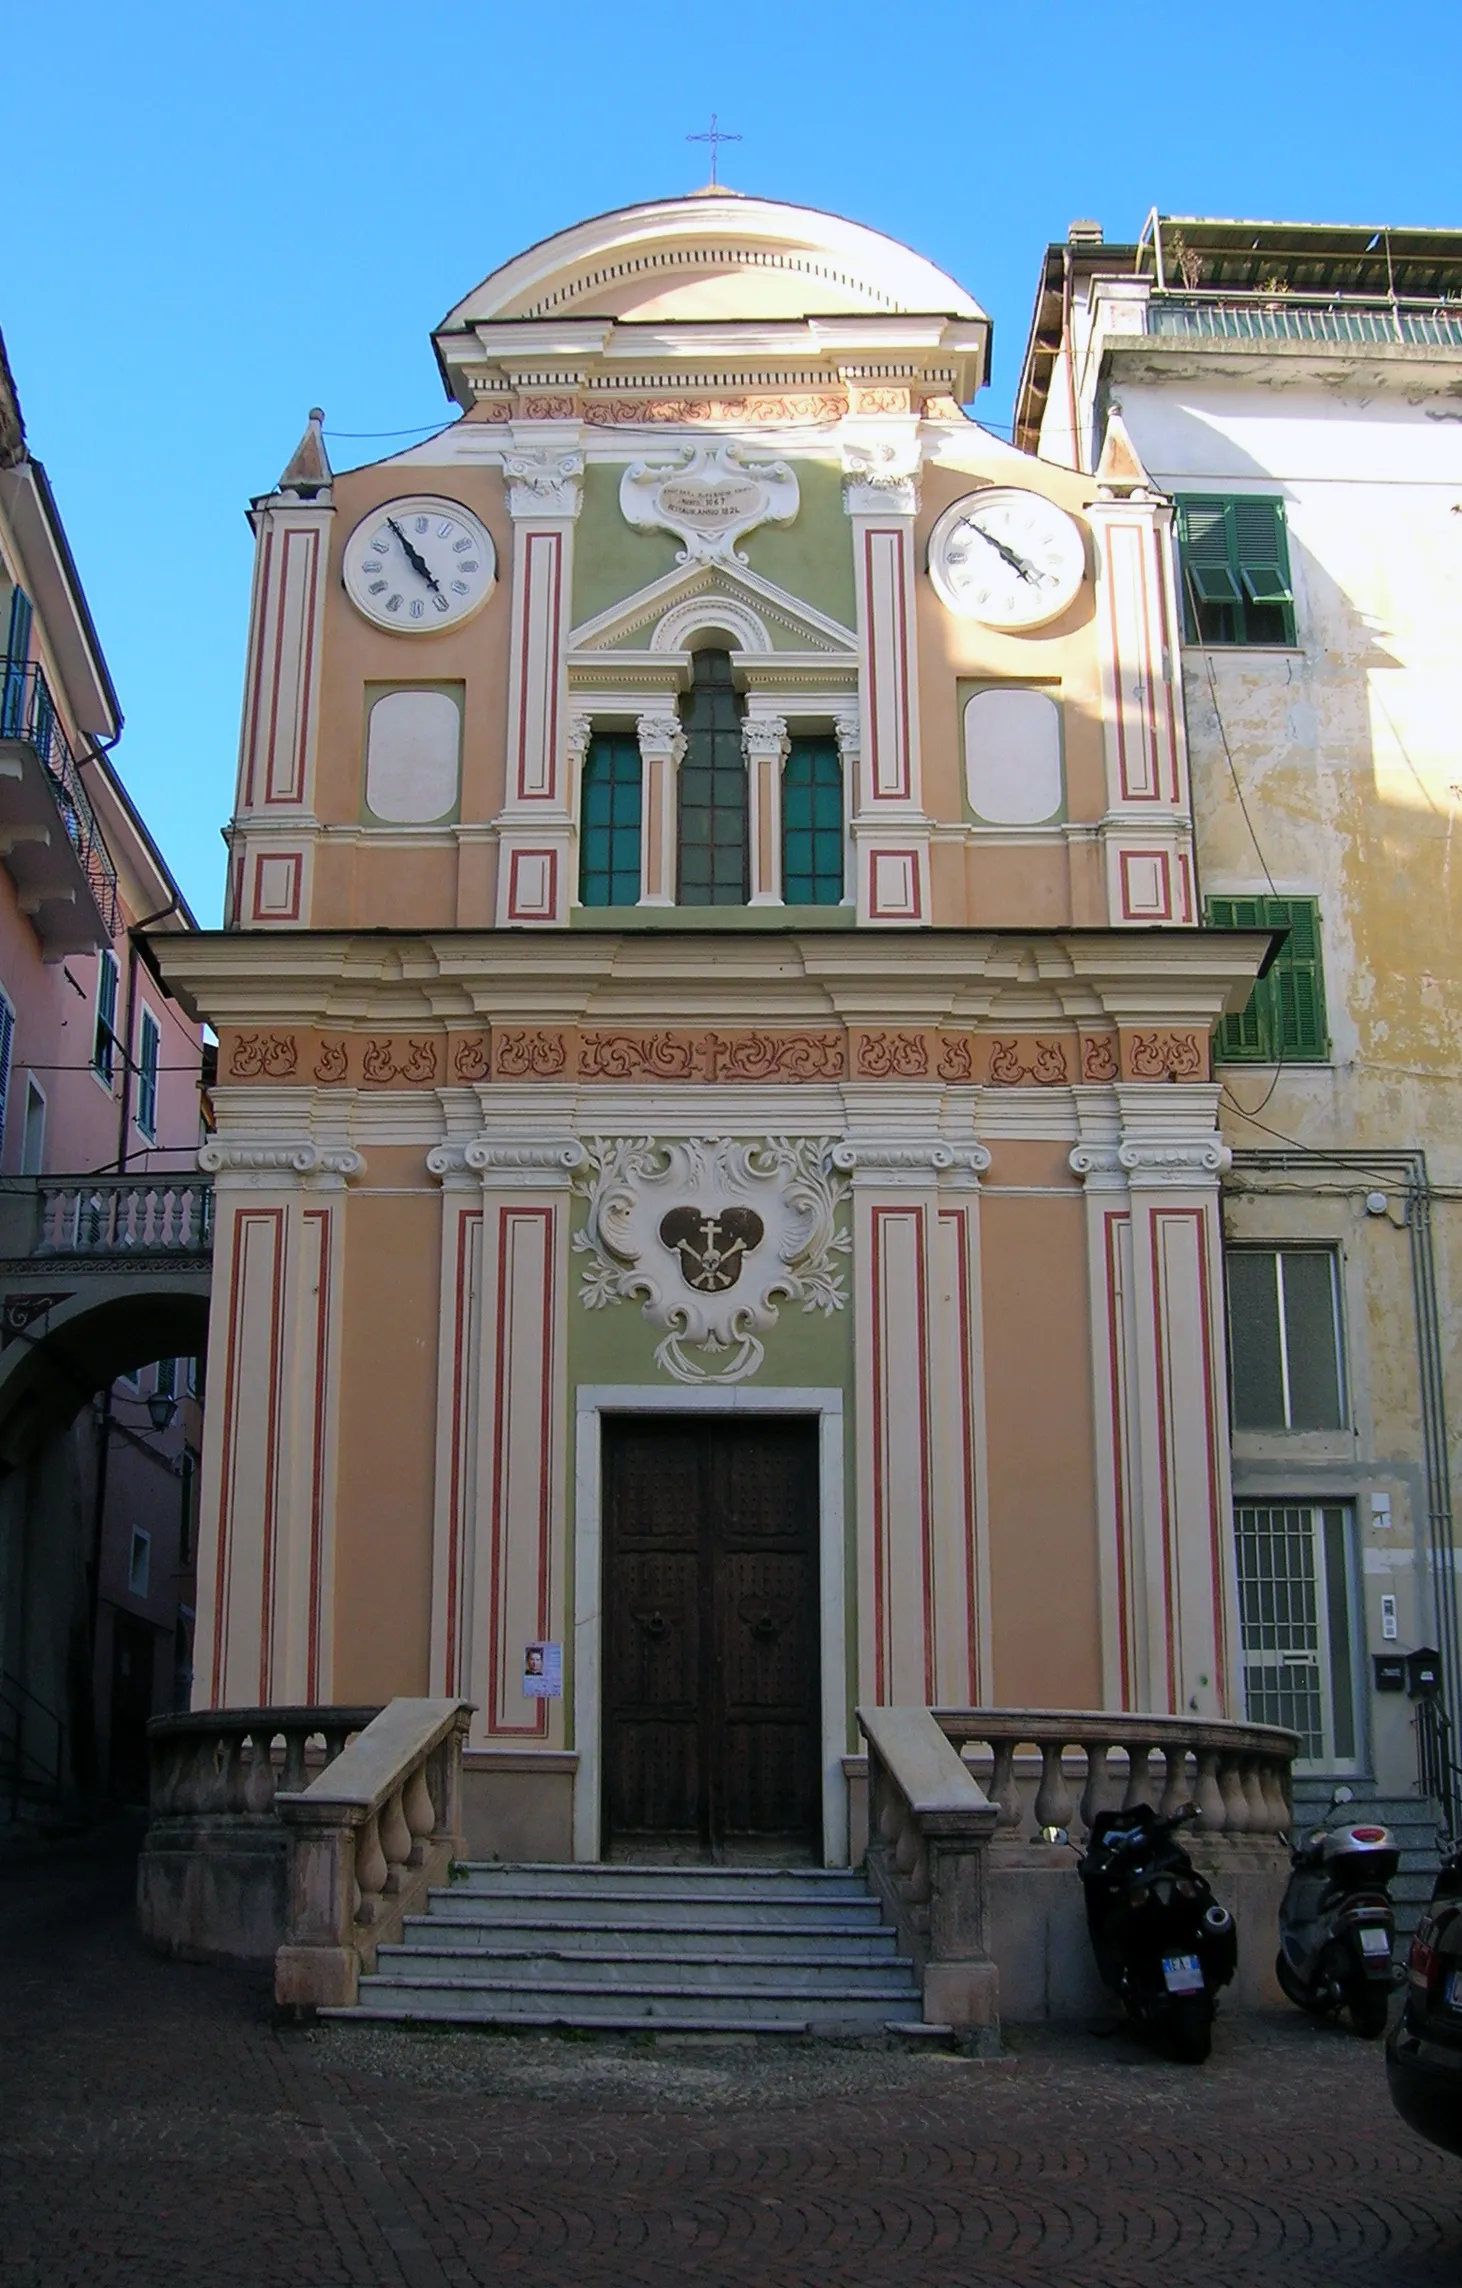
(1337, 1932)
(1162, 1941)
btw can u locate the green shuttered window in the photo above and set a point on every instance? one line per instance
(1233, 555)
(812, 824)
(714, 843)
(609, 814)
(1285, 1018)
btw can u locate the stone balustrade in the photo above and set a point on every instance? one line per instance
(212, 1877)
(367, 1840)
(930, 1825)
(1060, 1767)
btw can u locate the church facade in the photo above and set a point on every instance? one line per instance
(717, 1164)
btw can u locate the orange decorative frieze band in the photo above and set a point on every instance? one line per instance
(515, 1053)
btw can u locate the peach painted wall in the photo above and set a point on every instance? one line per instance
(1041, 1461)
(388, 1370)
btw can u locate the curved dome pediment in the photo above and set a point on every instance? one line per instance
(713, 257)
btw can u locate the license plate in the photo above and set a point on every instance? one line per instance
(1374, 1940)
(1454, 1991)
(1182, 1974)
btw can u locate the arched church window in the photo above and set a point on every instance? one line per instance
(812, 823)
(609, 821)
(714, 843)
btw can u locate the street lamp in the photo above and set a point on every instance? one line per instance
(162, 1408)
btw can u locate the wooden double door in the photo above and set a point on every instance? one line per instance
(711, 1633)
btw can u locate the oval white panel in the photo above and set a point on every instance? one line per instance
(1013, 756)
(411, 756)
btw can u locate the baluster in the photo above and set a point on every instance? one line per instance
(1207, 1795)
(1096, 1795)
(420, 1813)
(258, 1788)
(371, 1869)
(1254, 1803)
(1053, 1798)
(292, 1779)
(1276, 1801)
(226, 1793)
(1176, 1791)
(395, 1838)
(1139, 1775)
(1003, 1788)
(1231, 1788)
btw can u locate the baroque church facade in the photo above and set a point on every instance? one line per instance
(716, 1157)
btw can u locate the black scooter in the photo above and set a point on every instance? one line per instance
(1162, 1941)
(1337, 1932)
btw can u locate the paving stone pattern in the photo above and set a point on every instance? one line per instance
(157, 2131)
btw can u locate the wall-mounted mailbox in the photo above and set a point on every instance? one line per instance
(1424, 1672)
(1390, 1671)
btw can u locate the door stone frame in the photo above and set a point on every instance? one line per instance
(593, 1399)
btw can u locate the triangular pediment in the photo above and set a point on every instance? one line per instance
(756, 613)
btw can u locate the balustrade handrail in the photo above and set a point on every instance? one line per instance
(1237, 1774)
(220, 1763)
(169, 1212)
(367, 1840)
(929, 1829)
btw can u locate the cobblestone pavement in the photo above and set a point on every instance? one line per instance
(156, 2131)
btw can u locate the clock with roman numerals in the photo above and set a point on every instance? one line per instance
(419, 565)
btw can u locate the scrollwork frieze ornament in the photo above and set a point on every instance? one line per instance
(710, 1235)
(1193, 1165)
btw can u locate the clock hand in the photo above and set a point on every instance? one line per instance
(1016, 563)
(418, 563)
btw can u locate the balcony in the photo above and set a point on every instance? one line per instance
(1273, 317)
(49, 836)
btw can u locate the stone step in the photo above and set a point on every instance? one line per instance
(491, 1878)
(672, 1911)
(579, 2003)
(693, 1970)
(658, 1941)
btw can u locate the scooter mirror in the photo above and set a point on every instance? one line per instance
(1055, 1835)
(1343, 1795)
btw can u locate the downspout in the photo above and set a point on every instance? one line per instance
(1069, 341)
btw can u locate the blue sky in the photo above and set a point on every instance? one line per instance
(220, 216)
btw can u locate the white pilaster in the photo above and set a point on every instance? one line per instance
(890, 830)
(542, 468)
(662, 744)
(764, 743)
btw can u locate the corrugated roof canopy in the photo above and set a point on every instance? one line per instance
(1303, 257)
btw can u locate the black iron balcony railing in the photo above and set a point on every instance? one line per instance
(28, 715)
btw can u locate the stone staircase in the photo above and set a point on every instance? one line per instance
(751, 1950)
(1412, 1820)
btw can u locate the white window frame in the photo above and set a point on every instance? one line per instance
(139, 1564)
(104, 1063)
(33, 1093)
(1279, 1249)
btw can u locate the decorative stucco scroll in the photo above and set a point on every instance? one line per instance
(708, 496)
(712, 1235)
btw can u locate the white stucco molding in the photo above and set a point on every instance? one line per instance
(255, 1163)
(904, 1160)
(510, 1164)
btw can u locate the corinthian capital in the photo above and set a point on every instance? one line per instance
(661, 738)
(764, 738)
(881, 476)
(543, 483)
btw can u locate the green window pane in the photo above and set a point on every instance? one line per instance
(714, 841)
(812, 823)
(1255, 1369)
(609, 813)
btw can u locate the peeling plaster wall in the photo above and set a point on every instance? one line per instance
(1348, 750)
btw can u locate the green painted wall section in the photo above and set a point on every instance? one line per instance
(811, 558)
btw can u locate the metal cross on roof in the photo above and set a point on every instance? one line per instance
(715, 136)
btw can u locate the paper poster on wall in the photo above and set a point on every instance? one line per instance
(543, 1672)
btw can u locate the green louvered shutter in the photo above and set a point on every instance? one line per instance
(1285, 1017)
(1234, 555)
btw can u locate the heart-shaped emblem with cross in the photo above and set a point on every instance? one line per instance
(712, 1244)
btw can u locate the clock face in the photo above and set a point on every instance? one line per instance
(419, 565)
(1009, 558)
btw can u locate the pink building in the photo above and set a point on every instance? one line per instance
(99, 1127)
